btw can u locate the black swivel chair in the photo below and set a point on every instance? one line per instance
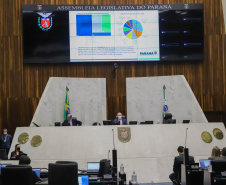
(63, 172)
(96, 124)
(17, 175)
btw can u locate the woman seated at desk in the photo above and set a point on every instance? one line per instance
(16, 154)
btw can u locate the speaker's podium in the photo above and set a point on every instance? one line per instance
(191, 175)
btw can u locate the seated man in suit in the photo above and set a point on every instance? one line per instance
(71, 122)
(120, 119)
(175, 176)
(25, 160)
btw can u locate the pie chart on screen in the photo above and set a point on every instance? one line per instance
(132, 29)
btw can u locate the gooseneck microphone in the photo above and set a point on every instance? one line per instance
(114, 157)
(108, 154)
(186, 137)
(113, 139)
(186, 155)
(35, 124)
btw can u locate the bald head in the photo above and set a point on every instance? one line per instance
(69, 117)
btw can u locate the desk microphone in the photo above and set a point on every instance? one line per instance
(186, 155)
(113, 139)
(186, 137)
(35, 124)
(108, 154)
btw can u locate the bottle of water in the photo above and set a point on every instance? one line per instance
(152, 182)
(134, 177)
(122, 169)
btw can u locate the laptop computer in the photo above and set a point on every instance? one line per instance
(93, 167)
(204, 163)
(83, 179)
(37, 171)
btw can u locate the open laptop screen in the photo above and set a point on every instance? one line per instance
(83, 179)
(93, 166)
(204, 163)
(37, 171)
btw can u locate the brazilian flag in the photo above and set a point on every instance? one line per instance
(67, 106)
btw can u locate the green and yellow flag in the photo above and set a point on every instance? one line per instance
(67, 106)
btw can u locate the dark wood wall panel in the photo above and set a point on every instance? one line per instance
(22, 85)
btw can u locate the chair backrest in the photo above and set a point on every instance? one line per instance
(218, 165)
(96, 124)
(57, 124)
(17, 174)
(63, 172)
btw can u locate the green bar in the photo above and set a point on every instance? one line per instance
(106, 23)
(148, 58)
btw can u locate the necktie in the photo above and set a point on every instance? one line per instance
(120, 122)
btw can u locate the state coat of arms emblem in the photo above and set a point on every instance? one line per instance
(124, 134)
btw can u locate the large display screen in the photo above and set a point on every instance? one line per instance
(67, 33)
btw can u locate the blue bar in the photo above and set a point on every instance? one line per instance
(102, 34)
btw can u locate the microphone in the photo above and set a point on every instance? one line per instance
(186, 152)
(35, 124)
(186, 137)
(108, 154)
(114, 157)
(115, 67)
(113, 139)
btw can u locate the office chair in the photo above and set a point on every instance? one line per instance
(57, 124)
(17, 174)
(67, 162)
(96, 124)
(63, 172)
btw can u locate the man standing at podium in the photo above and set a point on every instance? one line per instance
(121, 120)
(71, 122)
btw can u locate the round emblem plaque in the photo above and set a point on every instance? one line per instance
(36, 141)
(218, 133)
(23, 138)
(206, 137)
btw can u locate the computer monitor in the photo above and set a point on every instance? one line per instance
(3, 154)
(105, 167)
(107, 122)
(83, 179)
(173, 121)
(115, 122)
(37, 171)
(57, 124)
(133, 123)
(148, 122)
(186, 121)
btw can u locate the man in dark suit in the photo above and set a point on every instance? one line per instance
(71, 122)
(175, 176)
(121, 120)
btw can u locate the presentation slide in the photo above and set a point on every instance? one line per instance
(114, 36)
